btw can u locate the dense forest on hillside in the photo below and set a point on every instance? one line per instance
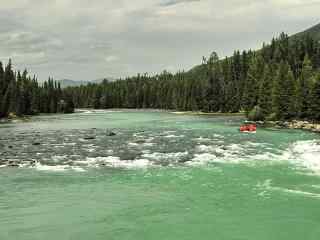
(22, 95)
(280, 81)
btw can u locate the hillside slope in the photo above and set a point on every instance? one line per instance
(313, 32)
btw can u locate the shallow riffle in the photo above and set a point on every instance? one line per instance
(80, 149)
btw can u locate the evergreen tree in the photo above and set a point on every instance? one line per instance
(21, 95)
(304, 88)
(251, 94)
(265, 94)
(291, 91)
(278, 75)
(212, 91)
(284, 92)
(2, 86)
(315, 104)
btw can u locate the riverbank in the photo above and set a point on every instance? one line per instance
(25, 118)
(294, 124)
(15, 118)
(207, 114)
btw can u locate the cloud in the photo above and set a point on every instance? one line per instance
(81, 39)
(111, 58)
(34, 57)
(175, 2)
(293, 3)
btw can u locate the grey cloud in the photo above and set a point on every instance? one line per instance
(175, 2)
(79, 39)
(9, 22)
(29, 42)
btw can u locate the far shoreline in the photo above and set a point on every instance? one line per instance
(207, 113)
(173, 111)
(281, 124)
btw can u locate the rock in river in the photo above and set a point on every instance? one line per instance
(110, 134)
(89, 138)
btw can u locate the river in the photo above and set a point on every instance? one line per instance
(161, 176)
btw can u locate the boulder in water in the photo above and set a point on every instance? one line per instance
(89, 138)
(110, 134)
(31, 162)
(12, 163)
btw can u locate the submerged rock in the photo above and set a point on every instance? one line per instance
(12, 163)
(110, 134)
(89, 138)
(29, 162)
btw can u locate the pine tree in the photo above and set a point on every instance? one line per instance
(1, 80)
(315, 104)
(21, 94)
(284, 93)
(5, 104)
(265, 93)
(291, 91)
(2, 90)
(212, 94)
(251, 94)
(304, 88)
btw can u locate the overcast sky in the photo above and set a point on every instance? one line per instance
(90, 39)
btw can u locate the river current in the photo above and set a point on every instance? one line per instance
(156, 175)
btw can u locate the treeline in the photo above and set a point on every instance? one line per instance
(21, 94)
(280, 81)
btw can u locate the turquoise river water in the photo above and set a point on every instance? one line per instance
(162, 176)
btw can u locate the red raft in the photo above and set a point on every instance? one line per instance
(249, 127)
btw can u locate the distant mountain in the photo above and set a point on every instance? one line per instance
(100, 80)
(71, 83)
(75, 83)
(314, 32)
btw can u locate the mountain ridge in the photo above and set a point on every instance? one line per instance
(313, 32)
(76, 83)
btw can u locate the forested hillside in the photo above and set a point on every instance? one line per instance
(313, 32)
(22, 95)
(280, 81)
